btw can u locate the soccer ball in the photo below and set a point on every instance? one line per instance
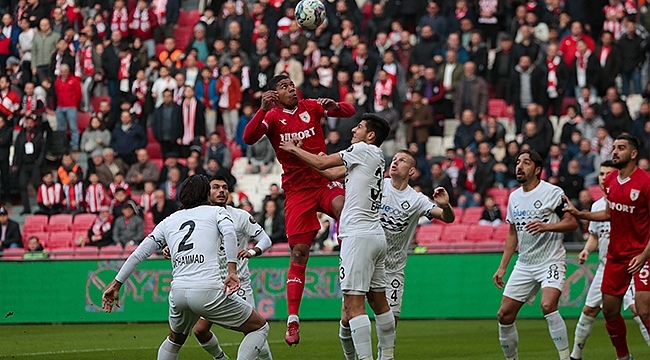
(310, 14)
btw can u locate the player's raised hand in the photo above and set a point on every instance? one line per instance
(269, 98)
(328, 104)
(231, 283)
(535, 227)
(569, 206)
(498, 278)
(637, 263)
(111, 296)
(166, 253)
(582, 257)
(441, 196)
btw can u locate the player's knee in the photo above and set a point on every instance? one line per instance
(202, 334)
(505, 317)
(177, 338)
(548, 307)
(591, 311)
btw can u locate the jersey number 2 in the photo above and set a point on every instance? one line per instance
(184, 246)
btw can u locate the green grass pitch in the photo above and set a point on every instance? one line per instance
(416, 339)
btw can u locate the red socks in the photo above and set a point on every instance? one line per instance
(295, 286)
(617, 332)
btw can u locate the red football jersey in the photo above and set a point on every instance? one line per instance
(629, 206)
(302, 123)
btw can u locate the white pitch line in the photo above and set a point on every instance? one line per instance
(82, 351)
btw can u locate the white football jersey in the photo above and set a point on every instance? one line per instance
(542, 204)
(246, 228)
(363, 182)
(194, 237)
(600, 229)
(399, 215)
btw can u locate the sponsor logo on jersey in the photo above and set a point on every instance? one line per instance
(304, 116)
(527, 213)
(634, 194)
(300, 135)
(622, 207)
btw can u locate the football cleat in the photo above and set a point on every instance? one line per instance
(292, 337)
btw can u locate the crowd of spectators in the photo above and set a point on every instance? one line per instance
(175, 94)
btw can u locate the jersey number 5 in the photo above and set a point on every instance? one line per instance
(184, 246)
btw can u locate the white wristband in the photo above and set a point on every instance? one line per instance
(252, 252)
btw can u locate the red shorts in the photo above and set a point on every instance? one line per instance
(301, 206)
(616, 278)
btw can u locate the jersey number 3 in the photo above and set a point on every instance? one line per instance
(184, 245)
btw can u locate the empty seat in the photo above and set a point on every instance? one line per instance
(472, 215)
(84, 218)
(500, 232)
(498, 108)
(153, 148)
(453, 233)
(58, 240)
(428, 234)
(36, 219)
(83, 120)
(58, 223)
(479, 233)
(86, 252)
(111, 251)
(12, 254)
(61, 254)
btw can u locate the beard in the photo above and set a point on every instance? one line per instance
(621, 163)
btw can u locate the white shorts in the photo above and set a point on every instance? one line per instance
(395, 291)
(246, 293)
(187, 305)
(526, 280)
(362, 264)
(595, 295)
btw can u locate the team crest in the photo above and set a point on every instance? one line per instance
(537, 204)
(405, 205)
(634, 194)
(304, 117)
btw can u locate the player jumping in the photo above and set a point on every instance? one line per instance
(537, 224)
(306, 191)
(628, 199)
(363, 243)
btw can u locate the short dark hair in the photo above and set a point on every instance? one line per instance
(633, 141)
(218, 177)
(535, 157)
(194, 191)
(607, 163)
(273, 83)
(378, 125)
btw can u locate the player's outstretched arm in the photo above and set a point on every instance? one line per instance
(445, 212)
(256, 127)
(590, 246)
(508, 251)
(318, 162)
(336, 109)
(602, 215)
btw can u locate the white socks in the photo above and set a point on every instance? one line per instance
(168, 350)
(583, 330)
(509, 339)
(293, 318)
(212, 346)
(361, 336)
(345, 335)
(557, 329)
(265, 352)
(385, 324)
(644, 331)
(251, 346)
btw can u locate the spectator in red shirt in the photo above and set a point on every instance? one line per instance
(68, 91)
(142, 22)
(568, 45)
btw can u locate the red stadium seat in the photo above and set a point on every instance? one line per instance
(61, 222)
(479, 233)
(501, 232)
(472, 215)
(154, 150)
(12, 254)
(158, 163)
(454, 233)
(60, 240)
(428, 234)
(61, 254)
(150, 137)
(32, 228)
(84, 219)
(96, 100)
(159, 48)
(83, 120)
(498, 108)
(188, 18)
(183, 36)
(86, 252)
(36, 219)
(111, 251)
(136, 198)
(595, 192)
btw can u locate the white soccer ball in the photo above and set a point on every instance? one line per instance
(310, 14)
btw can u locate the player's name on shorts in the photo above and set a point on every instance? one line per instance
(300, 135)
(622, 207)
(189, 259)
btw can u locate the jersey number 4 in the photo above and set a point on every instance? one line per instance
(184, 245)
